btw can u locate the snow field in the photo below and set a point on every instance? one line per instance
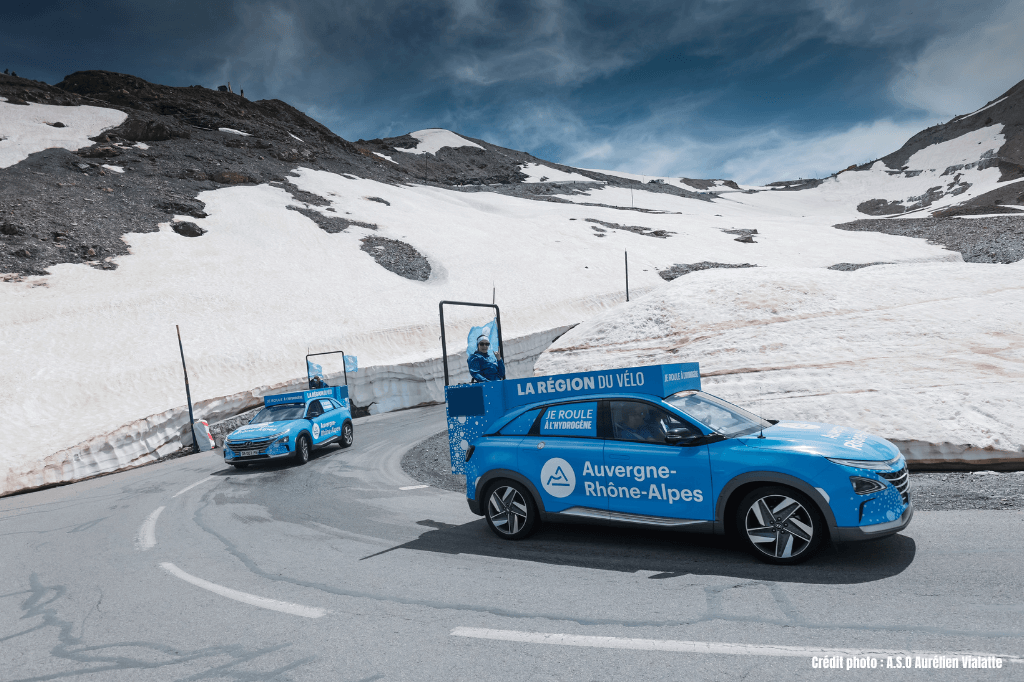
(433, 140)
(25, 129)
(929, 355)
(265, 285)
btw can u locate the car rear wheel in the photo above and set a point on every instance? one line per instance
(346, 435)
(511, 512)
(302, 449)
(780, 525)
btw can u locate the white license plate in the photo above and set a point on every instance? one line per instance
(248, 453)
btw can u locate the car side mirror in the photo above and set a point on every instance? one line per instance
(679, 436)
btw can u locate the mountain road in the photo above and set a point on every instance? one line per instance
(346, 569)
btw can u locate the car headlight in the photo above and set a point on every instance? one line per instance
(866, 486)
(862, 464)
(278, 444)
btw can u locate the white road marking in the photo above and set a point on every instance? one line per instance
(146, 538)
(689, 647)
(187, 488)
(414, 487)
(244, 597)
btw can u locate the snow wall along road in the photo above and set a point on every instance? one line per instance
(382, 388)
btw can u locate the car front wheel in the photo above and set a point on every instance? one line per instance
(511, 512)
(302, 449)
(780, 525)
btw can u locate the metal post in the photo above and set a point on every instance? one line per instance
(188, 394)
(627, 276)
(444, 345)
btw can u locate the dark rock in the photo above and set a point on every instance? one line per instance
(10, 229)
(190, 207)
(23, 253)
(379, 200)
(398, 257)
(230, 178)
(221, 88)
(881, 207)
(186, 229)
(850, 267)
(635, 229)
(137, 130)
(994, 239)
(16, 100)
(680, 269)
(57, 124)
(330, 224)
(100, 152)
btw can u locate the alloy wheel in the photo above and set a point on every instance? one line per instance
(507, 510)
(779, 526)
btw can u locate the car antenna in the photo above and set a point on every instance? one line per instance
(760, 408)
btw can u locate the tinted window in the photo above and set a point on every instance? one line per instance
(643, 422)
(520, 426)
(716, 414)
(573, 419)
(277, 413)
(314, 410)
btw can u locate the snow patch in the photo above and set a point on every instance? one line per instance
(116, 169)
(234, 132)
(298, 138)
(534, 172)
(26, 129)
(434, 139)
(968, 148)
(388, 158)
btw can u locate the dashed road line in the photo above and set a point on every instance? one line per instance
(245, 597)
(413, 487)
(691, 647)
(146, 538)
(187, 488)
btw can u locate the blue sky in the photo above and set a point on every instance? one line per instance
(753, 91)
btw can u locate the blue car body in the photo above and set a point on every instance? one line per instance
(265, 440)
(554, 436)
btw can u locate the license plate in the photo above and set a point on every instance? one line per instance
(248, 453)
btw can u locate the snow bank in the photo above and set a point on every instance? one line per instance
(434, 139)
(383, 388)
(26, 129)
(928, 355)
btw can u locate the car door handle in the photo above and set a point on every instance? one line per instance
(618, 456)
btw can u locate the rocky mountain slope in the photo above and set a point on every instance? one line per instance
(73, 206)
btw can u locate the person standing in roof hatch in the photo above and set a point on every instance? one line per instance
(481, 366)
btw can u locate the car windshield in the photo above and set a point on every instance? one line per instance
(278, 413)
(716, 414)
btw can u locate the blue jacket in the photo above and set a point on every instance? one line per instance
(483, 368)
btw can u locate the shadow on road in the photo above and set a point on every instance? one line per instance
(667, 554)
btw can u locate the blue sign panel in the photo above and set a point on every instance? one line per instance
(574, 419)
(339, 393)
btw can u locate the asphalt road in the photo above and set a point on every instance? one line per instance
(189, 570)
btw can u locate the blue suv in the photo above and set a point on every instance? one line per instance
(292, 425)
(645, 446)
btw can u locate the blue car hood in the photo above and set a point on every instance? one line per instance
(827, 440)
(259, 430)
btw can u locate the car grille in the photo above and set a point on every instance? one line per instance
(254, 444)
(900, 480)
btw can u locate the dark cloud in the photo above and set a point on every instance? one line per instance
(505, 69)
